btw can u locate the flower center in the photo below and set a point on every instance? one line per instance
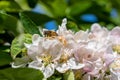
(116, 48)
(47, 59)
(116, 64)
(64, 57)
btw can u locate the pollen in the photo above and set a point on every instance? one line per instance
(116, 64)
(63, 58)
(62, 40)
(116, 48)
(47, 59)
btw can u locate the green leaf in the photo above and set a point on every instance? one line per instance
(29, 25)
(102, 3)
(78, 7)
(23, 4)
(110, 26)
(116, 19)
(15, 47)
(20, 74)
(18, 44)
(57, 9)
(8, 22)
(56, 76)
(72, 26)
(37, 18)
(2, 31)
(5, 58)
(27, 38)
(69, 75)
(32, 3)
(84, 26)
(10, 6)
(54, 8)
(4, 49)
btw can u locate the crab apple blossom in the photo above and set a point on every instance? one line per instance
(90, 54)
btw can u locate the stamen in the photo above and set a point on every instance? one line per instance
(116, 48)
(63, 40)
(47, 59)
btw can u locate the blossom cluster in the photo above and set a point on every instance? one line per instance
(93, 53)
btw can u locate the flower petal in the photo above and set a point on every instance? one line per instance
(74, 65)
(81, 36)
(114, 75)
(62, 68)
(48, 70)
(20, 62)
(36, 65)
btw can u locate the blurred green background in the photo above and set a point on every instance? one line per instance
(49, 14)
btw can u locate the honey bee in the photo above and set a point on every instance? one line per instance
(53, 34)
(50, 33)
